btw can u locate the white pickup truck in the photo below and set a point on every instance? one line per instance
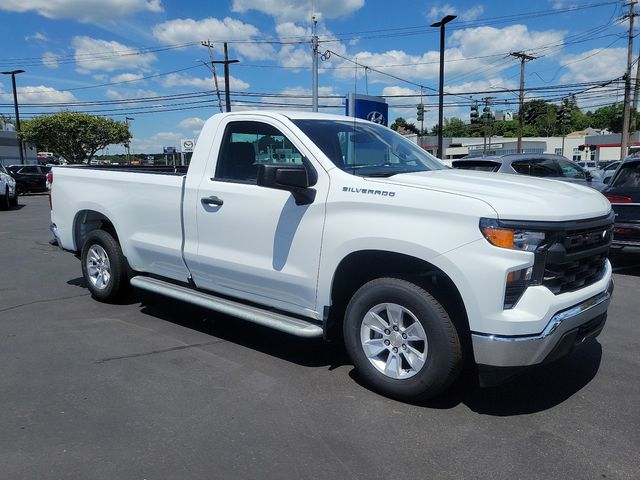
(323, 225)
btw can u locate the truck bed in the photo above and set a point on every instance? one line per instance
(143, 201)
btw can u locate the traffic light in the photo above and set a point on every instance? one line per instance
(474, 113)
(487, 115)
(530, 116)
(563, 116)
(420, 111)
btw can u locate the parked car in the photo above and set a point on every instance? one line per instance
(608, 171)
(420, 267)
(554, 167)
(8, 192)
(590, 166)
(30, 178)
(624, 195)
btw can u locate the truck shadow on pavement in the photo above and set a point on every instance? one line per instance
(535, 390)
(302, 351)
(626, 262)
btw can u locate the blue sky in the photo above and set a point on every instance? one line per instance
(142, 58)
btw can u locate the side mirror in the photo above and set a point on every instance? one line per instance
(588, 175)
(289, 176)
(606, 180)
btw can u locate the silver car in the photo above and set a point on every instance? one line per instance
(8, 192)
(555, 167)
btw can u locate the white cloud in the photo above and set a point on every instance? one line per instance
(178, 80)
(155, 143)
(439, 11)
(50, 60)
(464, 44)
(596, 64)
(83, 10)
(560, 4)
(96, 54)
(491, 40)
(293, 56)
(127, 77)
(292, 10)
(125, 94)
(39, 94)
(37, 36)
(187, 30)
(192, 123)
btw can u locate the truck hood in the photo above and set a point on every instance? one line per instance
(513, 197)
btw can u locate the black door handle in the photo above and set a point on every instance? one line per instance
(212, 200)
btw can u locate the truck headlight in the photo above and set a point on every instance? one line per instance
(514, 239)
(517, 281)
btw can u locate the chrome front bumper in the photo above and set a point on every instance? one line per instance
(566, 330)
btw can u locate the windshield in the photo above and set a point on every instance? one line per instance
(367, 149)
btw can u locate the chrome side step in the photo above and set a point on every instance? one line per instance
(267, 318)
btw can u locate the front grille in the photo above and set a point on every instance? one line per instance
(576, 259)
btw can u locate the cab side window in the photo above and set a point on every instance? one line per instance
(246, 145)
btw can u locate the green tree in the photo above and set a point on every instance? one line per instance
(74, 136)
(398, 122)
(609, 117)
(454, 127)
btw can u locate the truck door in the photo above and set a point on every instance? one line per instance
(254, 242)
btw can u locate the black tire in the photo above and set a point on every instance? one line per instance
(443, 360)
(20, 189)
(117, 283)
(14, 201)
(4, 200)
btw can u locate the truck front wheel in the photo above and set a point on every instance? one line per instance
(401, 340)
(104, 266)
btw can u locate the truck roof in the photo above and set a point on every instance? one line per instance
(293, 115)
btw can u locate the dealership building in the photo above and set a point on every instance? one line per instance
(589, 144)
(10, 149)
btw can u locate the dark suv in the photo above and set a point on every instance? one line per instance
(554, 167)
(29, 178)
(624, 195)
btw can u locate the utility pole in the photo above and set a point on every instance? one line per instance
(624, 144)
(523, 58)
(212, 68)
(13, 74)
(636, 90)
(226, 63)
(314, 69)
(126, 120)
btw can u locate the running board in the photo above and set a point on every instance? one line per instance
(267, 318)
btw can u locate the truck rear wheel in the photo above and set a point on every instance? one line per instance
(401, 340)
(104, 266)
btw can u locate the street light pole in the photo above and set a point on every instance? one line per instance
(13, 74)
(441, 24)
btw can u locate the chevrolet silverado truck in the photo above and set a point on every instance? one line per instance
(328, 226)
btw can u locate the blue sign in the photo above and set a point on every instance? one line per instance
(374, 109)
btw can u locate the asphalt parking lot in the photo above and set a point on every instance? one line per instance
(155, 390)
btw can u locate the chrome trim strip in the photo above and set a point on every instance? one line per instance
(555, 321)
(524, 350)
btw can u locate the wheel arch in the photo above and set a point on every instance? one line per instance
(360, 267)
(88, 220)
